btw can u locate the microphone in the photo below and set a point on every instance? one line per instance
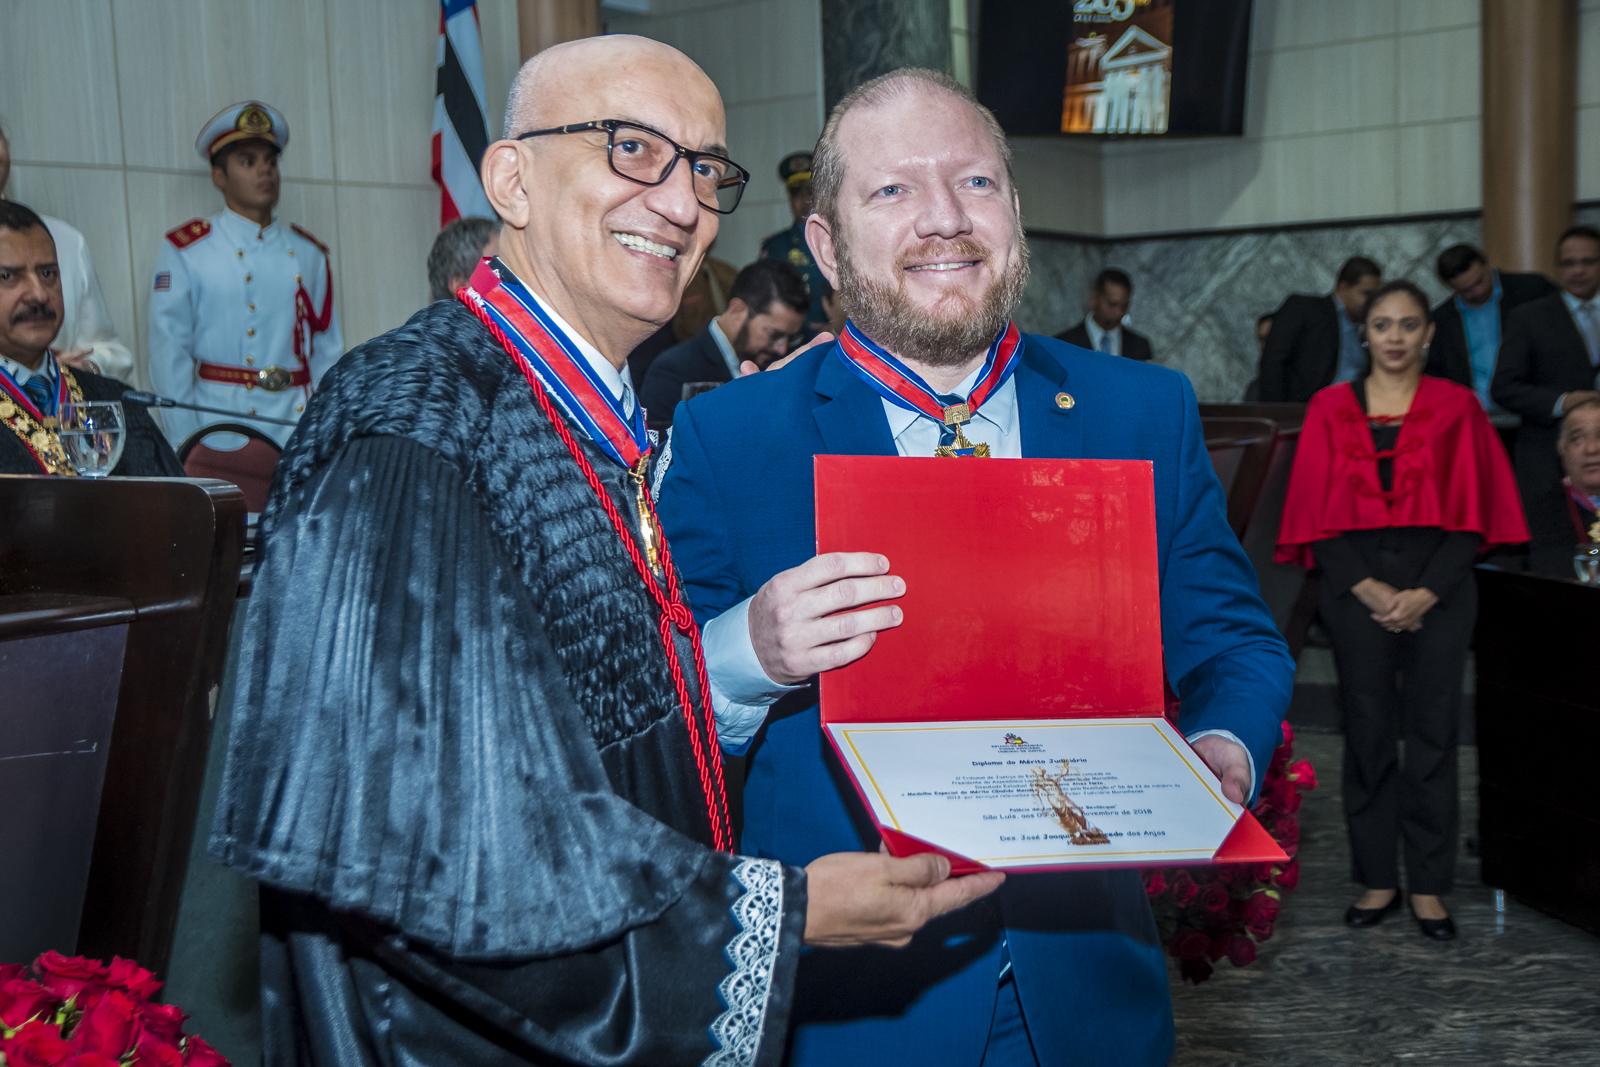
(151, 400)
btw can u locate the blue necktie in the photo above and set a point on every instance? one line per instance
(38, 391)
(947, 434)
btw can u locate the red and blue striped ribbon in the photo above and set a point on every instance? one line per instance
(560, 366)
(9, 385)
(904, 387)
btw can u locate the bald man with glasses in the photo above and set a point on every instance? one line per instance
(473, 761)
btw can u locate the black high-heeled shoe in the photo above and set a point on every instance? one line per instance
(1365, 917)
(1436, 929)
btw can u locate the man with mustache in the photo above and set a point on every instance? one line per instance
(471, 760)
(34, 384)
(918, 225)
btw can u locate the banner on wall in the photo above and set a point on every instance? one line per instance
(460, 114)
(1119, 67)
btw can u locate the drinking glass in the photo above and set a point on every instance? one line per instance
(1586, 561)
(92, 435)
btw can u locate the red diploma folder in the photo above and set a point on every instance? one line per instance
(1032, 607)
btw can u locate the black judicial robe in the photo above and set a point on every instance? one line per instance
(457, 764)
(145, 451)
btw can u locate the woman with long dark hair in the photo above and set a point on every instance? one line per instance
(1399, 483)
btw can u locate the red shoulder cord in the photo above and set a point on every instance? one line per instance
(674, 612)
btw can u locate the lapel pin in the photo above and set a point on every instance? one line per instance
(1064, 401)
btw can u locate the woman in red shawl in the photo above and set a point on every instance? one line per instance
(1399, 483)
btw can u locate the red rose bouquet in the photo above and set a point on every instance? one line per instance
(1207, 913)
(83, 1013)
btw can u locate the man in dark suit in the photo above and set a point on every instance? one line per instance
(1548, 361)
(767, 307)
(1102, 330)
(34, 384)
(1315, 340)
(1469, 325)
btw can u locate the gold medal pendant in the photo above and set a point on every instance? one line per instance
(647, 521)
(954, 416)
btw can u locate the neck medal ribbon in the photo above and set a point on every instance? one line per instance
(37, 430)
(904, 387)
(560, 367)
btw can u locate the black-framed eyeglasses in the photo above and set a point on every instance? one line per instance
(647, 157)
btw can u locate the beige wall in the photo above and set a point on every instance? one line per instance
(1360, 108)
(766, 58)
(103, 100)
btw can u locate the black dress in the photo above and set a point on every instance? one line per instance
(458, 765)
(1400, 686)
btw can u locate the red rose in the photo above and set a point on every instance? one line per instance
(161, 1023)
(1261, 915)
(1155, 883)
(1219, 946)
(1287, 833)
(1289, 877)
(35, 1044)
(1241, 952)
(1213, 897)
(196, 1053)
(1303, 775)
(1189, 944)
(92, 1059)
(1195, 971)
(110, 1026)
(67, 976)
(11, 971)
(127, 975)
(1183, 888)
(1288, 733)
(155, 1054)
(21, 1000)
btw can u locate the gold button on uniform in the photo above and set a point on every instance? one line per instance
(249, 359)
(241, 253)
(291, 251)
(247, 277)
(297, 279)
(251, 332)
(1064, 401)
(299, 407)
(252, 411)
(252, 307)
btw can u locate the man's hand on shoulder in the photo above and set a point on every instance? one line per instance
(749, 366)
(802, 621)
(859, 898)
(1229, 762)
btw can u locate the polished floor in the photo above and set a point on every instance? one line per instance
(1516, 988)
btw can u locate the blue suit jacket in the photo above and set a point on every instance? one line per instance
(737, 506)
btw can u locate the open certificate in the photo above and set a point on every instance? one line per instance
(1043, 792)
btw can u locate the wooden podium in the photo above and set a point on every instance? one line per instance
(115, 602)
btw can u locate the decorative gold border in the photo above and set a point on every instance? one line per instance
(39, 439)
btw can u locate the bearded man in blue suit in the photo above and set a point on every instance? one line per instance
(918, 227)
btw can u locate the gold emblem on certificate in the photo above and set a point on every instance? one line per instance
(1049, 792)
(954, 416)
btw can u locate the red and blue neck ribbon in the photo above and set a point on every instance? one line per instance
(904, 387)
(559, 364)
(9, 386)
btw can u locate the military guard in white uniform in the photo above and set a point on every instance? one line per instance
(241, 310)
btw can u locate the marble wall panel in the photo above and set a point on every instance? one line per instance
(1589, 153)
(1197, 298)
(1439, 75)
(862, 39)
(383, 90)
(56, 60)
(1437, 14)
(1060, 182)
(181, 61)
(1334, 87)
(1439, 167)
(92, 200)
(384, 237)
(1297, 24)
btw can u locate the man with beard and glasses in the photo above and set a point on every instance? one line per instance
(917, 224)
(472, 761)
(34, 383)
(766, 310)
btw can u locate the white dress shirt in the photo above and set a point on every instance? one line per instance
(87, 321)
(729, 356)
(741, 692)
(1112, 338)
